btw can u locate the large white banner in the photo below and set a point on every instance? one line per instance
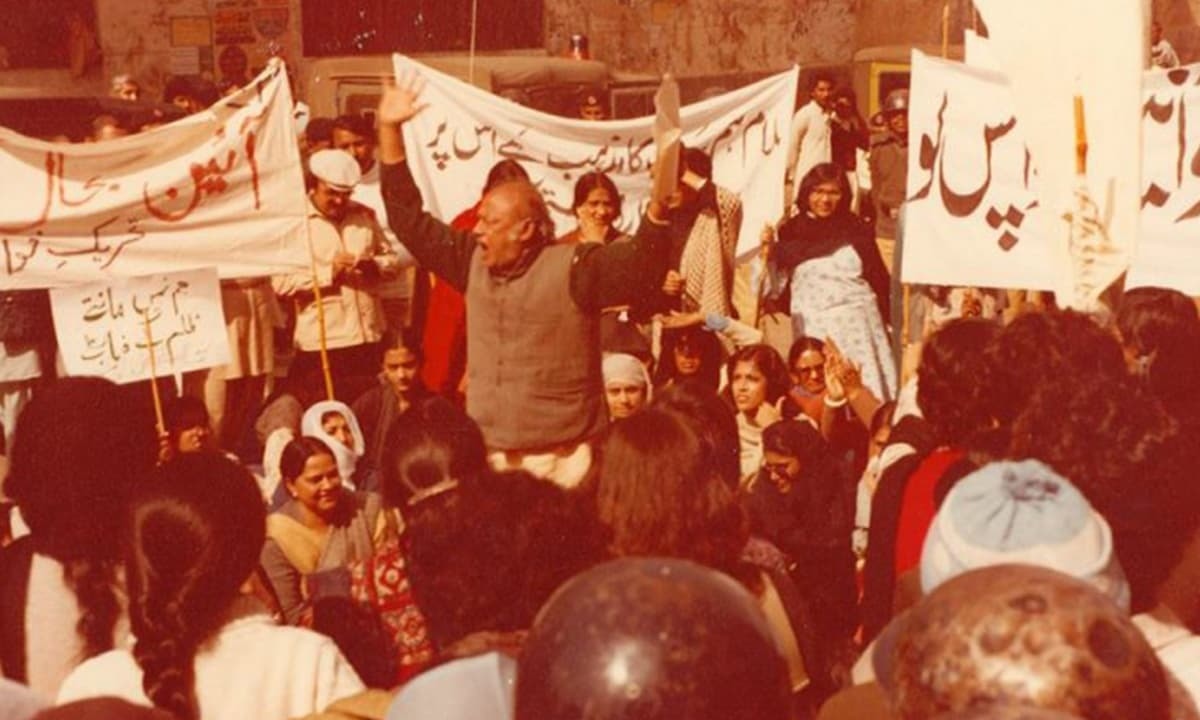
(1072, 63)
(973, 217)
(465, 130)
(220, 188)
(109, 330)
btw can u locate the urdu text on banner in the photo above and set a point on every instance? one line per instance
(219, 188)
(102, 328)
(464, 131)
(972, 216)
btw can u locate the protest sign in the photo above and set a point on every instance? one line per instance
(973, 216)
(1168, 252)
(102, 328)
(1075, 71)
(465, 130)
(219, 188)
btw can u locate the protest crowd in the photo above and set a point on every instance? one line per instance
(476, 468)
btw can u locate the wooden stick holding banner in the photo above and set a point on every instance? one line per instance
(324, 351)
(946, 29)
(1081, 143)
(158, 409)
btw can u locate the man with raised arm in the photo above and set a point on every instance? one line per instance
(533, 306)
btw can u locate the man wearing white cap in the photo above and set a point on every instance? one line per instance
(350, 258)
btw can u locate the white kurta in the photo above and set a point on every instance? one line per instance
(252, 669)
(811, 141)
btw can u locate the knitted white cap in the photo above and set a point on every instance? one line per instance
(1021, 512)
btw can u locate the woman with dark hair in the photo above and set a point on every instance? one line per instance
(597, 206)
(398, 389)
(484, 559)
(660, 492)
(1043, 347)
(430, 450)
(712, 419)
(482, 551)
(1160, 334)
(801, 502)
(826, 260)
(321, 529)
(689, 353)
(82, 446)
(188, 427)
(806, 361)
(204, 649)
(757, 391)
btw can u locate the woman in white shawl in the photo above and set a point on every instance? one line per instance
(335, 423)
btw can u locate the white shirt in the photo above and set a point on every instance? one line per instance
(811, 143)
(53, 647)
(369, 192)
(251, 669)
(1177, 648)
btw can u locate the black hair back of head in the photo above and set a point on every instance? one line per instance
(195, 534)
(954, 389)
(432, 442)
(82, 446)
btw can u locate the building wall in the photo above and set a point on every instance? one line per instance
(686, 37)
(136, 36)
(902, 22)
(705, 37)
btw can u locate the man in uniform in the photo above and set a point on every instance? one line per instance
(889, 169)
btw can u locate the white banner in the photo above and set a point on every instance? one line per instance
(223, 187)
(453, 144)
(1070, 62)
(972, 216)
(1168, 252)
(102, 329)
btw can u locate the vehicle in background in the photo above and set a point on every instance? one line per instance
(52, 114)
(879, 70)
(351, 84)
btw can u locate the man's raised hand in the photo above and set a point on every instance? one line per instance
(401, 102)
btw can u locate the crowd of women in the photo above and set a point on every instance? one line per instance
(761, 534)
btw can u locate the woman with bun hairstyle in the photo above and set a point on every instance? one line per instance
(204, 648)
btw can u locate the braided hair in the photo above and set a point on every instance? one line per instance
(195, 534)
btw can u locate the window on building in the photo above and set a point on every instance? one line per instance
(362, 27)
(38, 34)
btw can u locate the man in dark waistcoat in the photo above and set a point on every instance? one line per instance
(533, 306)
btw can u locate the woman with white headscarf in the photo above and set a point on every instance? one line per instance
(627, 386)
(335, 423)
